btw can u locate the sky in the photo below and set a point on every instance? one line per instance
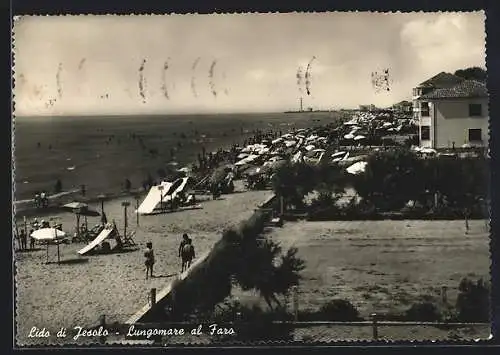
(162, 64)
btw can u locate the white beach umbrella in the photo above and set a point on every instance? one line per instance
(338, 154)
(48, 234)
(357, 168)
(290, 143)
(184, 170)
(387, 124)
(349, 136)
(277, 140)
(242, 155)
(357, 138)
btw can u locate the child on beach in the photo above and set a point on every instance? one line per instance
(150, 259)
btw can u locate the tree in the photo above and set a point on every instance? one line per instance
(390, 179)
(293, 182)
(472, 73)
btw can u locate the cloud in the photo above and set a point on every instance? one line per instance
(259, 53)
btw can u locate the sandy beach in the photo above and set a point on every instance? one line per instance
(81, 289)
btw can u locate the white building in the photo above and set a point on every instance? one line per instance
(452, 112)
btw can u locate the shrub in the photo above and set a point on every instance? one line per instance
(423, 312)
(473, 302)
(339, 310)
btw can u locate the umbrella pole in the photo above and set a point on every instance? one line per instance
(78, 226)
(55, 235)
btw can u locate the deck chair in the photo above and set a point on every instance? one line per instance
(128, 240)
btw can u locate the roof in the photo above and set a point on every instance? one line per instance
(466, 89)
(442, 80)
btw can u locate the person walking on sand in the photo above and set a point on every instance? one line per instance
(32, 240)
(187, 255)
(185, 240)
(150, 259)
(23, 240)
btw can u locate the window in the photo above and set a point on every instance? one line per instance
(425, 109)
(426, 90)
(425, 133)
(475, 135)
(475, 110)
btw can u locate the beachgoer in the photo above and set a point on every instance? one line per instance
(18, 240)
(23, 240)
(43, 199)
(150, 259)
(187, 255)
(184, 241)
(32, 240)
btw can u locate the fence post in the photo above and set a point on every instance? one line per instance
(374, 325)
(102, 323)
(152, 296)
(444, 296)
(295, 296)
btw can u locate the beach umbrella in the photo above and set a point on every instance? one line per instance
(75, 205)
(242, 155)
(357, 168)
(349, 136)
(49, 235)
(81, 209)
(338, 154)
(277, 140)
(290, 143)
(184, 170)
(427, 151)
(357, 138)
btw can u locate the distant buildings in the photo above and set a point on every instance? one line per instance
(451, 111)
(403, 107)
(367, 108)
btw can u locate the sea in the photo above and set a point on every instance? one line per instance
(100, 152)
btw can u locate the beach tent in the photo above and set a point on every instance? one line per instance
(153, 198)
(48, 236)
